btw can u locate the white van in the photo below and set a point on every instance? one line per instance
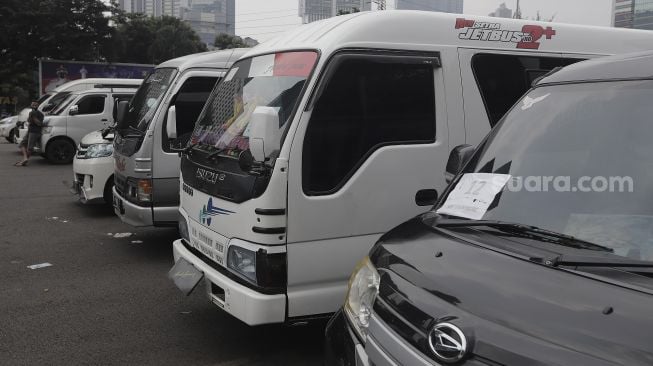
(77, 115)
(146, 191)
(319, 141)
(48, 102)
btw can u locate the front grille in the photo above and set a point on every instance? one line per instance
(79, 178)
(120, 182)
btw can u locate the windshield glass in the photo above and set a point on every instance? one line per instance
(54, 102)
(274, 80)
(574, 159)
(148, 97)
(65, 102)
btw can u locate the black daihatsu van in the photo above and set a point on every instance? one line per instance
(541, 250)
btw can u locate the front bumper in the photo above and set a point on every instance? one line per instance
(240, 301)
(90, 178)
(130, 213)
(383, 346)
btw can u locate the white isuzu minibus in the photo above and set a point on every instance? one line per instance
(316, 143)
(146, 177)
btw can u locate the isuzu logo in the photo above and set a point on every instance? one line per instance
(209, 176)
(448, 342)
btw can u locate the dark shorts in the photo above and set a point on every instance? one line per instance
(31, 140)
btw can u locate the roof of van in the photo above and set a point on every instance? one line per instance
(102, 81)
(629, 66)
(395, 29)
(213, 59)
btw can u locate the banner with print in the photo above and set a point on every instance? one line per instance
(53, 73)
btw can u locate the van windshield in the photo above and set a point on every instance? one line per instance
(54, 102)
(274, 80)
(575, 159)
(63, 104)
(148, 97)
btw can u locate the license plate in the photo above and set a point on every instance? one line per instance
(185, 276)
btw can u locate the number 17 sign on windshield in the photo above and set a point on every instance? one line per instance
(473, 194)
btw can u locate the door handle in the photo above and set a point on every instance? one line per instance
(426, 197)
(104, 120)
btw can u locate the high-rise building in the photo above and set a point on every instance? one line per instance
(502, 12)
(633, 14)
(206, 17)
(313, 10)
(445, 6)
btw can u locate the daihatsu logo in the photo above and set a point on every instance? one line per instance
(209, 176)
(447, 342)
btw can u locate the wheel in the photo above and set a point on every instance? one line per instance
(108, 192)
(60, 152)
(12, 136)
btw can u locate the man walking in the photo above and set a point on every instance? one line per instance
(35, 120)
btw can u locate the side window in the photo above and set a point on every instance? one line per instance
(365, 103)
(92, 104)
(188, 102)
(503, 79)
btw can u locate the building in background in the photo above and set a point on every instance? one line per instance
(633, 14)
(502, 12)
(445, 6)
(313, 10)
(206, 17)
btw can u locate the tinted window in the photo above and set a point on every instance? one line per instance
(92, 104)
(503, 79)
(367, 102)
(189, 102)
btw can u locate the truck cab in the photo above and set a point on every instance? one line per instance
(319, 141)
(146, 187)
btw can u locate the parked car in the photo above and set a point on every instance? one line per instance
(93, 167)
(509, 271)
(80, 113)
(8, 128)
(49, 102)
(321, 140)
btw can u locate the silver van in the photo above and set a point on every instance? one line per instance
(146, 190)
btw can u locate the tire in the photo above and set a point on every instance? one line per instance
(108, 192)
(60, 152)
(12, 136)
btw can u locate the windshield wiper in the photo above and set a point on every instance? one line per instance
(214, 153)
(528, 231)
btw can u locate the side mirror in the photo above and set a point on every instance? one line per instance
(458, 157)
(73, 110)
(171, 124)
(264, 133)
(123, 107)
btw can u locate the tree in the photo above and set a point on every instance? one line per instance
(225, 41)
(58, 29)
(151, 40)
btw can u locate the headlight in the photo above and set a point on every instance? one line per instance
(242, 261)
(363, 288)
(183, 228)
(97, 150)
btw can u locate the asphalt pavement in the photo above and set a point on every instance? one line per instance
(106, 298)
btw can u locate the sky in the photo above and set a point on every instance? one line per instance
(264, 19)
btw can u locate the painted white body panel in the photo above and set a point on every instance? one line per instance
(326, 235)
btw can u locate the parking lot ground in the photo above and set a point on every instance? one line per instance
(106, 298)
